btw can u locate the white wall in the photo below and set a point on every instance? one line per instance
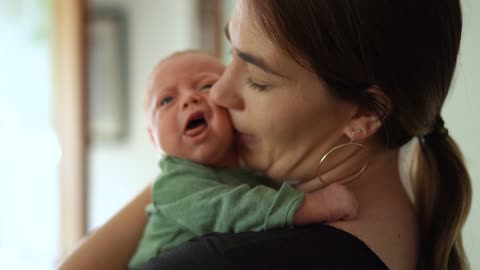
(118, 171)
(461, 118)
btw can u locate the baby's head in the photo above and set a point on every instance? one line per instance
(182, 119)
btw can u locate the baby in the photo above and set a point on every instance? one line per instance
(201, 188)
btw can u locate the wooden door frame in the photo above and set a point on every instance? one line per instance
(210, 20)
(69, 52)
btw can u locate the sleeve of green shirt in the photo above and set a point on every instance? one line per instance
(197, 201)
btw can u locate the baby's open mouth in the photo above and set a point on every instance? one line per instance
(195, 124)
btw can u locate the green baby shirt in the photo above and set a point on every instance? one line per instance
(190, 200)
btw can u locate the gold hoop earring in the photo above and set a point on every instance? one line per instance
(356, 173)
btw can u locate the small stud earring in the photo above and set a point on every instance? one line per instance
(356, 132)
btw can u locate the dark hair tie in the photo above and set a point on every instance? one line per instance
(438, 131)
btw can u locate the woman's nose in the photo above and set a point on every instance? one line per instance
(226, 92)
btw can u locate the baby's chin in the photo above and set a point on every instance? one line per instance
(241, 163)
(214, 159)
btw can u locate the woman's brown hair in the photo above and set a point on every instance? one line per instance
(408, 49)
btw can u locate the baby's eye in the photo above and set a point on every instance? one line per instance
(206, 86)
(166, 100)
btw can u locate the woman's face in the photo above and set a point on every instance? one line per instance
(285, 118)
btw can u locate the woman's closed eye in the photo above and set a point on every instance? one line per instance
(255, 86)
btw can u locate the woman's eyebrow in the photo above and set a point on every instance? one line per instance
(256, 61)
(251, 59)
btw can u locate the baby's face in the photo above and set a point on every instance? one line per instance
(183, 120)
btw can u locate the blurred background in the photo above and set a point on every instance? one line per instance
(73, 143)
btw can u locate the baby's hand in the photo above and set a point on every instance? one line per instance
(340, 203)
(332, 203)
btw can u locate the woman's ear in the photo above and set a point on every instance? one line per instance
(367, 119)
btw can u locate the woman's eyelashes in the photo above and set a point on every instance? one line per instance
(255, 86)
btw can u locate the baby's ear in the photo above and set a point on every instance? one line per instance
(365, 122)
(150, 135)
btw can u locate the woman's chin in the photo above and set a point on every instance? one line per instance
(251, 160)
(247, 157)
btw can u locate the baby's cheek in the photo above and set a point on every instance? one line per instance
(225, 121)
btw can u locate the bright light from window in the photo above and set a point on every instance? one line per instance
(11, 259)
(29, 149)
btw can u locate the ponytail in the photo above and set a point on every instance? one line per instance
(443, 195)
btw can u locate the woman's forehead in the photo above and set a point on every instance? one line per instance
(243, 27)
(248, 38)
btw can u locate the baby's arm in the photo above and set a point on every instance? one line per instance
(209, 206)
(195, 199)
(334, 202)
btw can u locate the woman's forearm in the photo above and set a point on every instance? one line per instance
(112, 245)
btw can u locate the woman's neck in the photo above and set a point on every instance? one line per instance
(382, 167)
(380, 163)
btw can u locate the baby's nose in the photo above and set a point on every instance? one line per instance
(190, 100)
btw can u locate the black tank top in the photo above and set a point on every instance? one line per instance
(303, 248)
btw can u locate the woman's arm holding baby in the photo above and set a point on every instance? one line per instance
(112, 245)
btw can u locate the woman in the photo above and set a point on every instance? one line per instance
(306, 78)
